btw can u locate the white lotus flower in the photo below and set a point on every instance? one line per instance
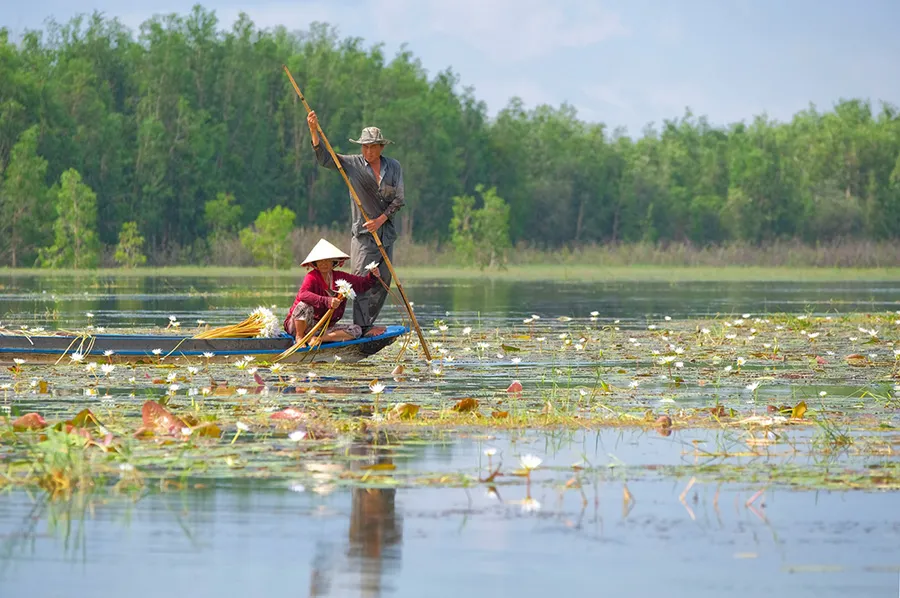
(91, 367)
(76, 357)
(271, 327)
(371, 266)
(377, 388)
(208, 354)
(346, 289)
(108, 353)
(18, 361)
(530, 462)
(107, 369)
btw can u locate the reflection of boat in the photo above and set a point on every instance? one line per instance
(151, 348)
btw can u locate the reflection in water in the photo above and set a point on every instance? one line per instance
(375, 532)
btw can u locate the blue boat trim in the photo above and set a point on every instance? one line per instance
(390, 332)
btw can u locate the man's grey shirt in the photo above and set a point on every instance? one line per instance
(376, 199)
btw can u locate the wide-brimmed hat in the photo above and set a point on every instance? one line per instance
(371, 136)
(324, 251)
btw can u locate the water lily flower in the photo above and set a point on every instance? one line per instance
(443, 328)
(297, 435)
(156, 351)
(346, 289)
(377, 388)
(192, 370)
(242, 426)
(518, 360)
(822, 393)
(371, 266)
(467, 330)
(186, 431)
(76, 357)
(108, 353)
(530, 462)
(173, 388)
(275, 368)
(18, 361)
(752, 386)
(91, 367)
(89, 315)
(208, 354)
(241, 391)
(107, 369)
(490, 452)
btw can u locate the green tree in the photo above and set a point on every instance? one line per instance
(268, 240)
(23, 196)
(129, 250)
(481, 236)
(222, 215)
(75, 242)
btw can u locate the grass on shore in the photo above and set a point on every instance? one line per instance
(567, 272)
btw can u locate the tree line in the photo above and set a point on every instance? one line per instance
(183, 134)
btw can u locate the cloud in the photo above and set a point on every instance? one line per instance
(504, 31)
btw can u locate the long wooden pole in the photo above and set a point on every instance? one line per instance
(353, 194)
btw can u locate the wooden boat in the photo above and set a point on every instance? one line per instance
(153, 348)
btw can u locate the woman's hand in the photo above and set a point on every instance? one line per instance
(334, 302)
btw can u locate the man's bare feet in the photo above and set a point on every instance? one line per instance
(375, 331)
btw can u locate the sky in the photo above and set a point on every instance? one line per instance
(626, 63)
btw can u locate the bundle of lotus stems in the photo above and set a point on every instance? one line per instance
(314, 336)
(261, 323)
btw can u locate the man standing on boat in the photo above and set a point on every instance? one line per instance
(378, 181)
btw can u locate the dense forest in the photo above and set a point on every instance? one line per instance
(176, 137)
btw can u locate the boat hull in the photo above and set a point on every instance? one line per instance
(138, 348)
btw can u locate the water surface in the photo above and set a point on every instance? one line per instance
(628, 530)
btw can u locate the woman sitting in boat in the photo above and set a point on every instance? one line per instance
(321, 291)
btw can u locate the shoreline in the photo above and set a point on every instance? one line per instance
(553, 272)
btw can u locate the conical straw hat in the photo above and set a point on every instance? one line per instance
(324, 251)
